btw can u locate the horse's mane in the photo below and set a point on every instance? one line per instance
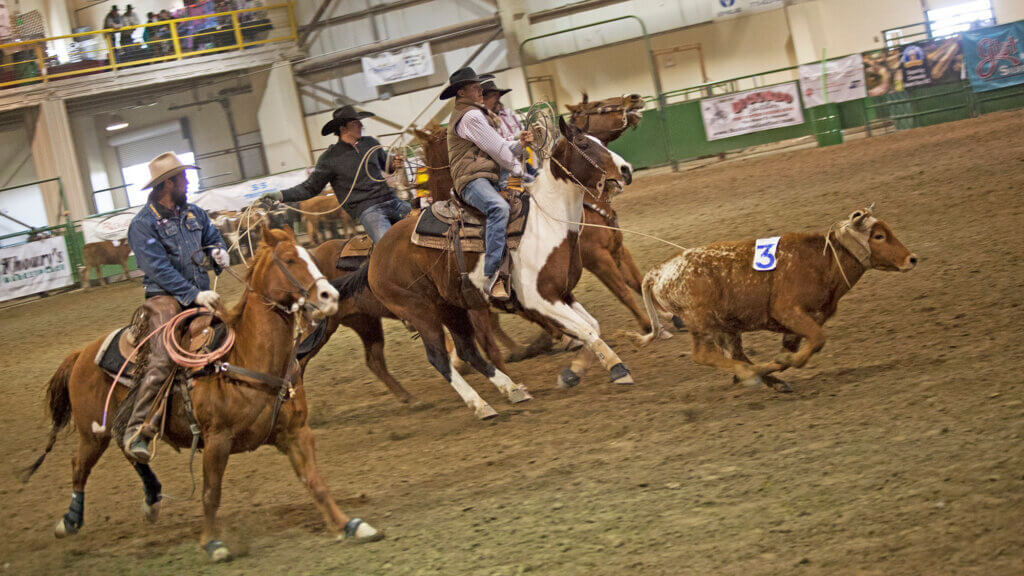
(260, 260)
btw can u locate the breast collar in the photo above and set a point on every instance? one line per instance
(612, 218)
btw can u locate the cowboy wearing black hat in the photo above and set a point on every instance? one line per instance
(477, 154)
(351, 165)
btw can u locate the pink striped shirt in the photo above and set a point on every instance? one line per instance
(474, 127)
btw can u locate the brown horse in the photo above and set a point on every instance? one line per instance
(422, 286)
(607, 119)
(233, 416)
(321, 210)
(362, 312)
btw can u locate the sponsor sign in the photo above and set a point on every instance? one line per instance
(994, 56)
(913, 65)
(110, 227)
(751, 111)
(735, 8)
(34, 267)
(845, 78)
(391, 67)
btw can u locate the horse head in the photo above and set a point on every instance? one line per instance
(285, 275)
(607, 119)
(585, 159)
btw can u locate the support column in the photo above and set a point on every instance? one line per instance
(282, 127)
(53, 152)
(806, 31)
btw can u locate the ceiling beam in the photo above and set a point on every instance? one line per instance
(481, 25)
(307, 29)
(569, 10)
(360, 14)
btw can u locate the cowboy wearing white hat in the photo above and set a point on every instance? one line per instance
(168, 236)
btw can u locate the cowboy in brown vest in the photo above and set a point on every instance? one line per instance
(477, 154)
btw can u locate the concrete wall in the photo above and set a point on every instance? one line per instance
(280, 121)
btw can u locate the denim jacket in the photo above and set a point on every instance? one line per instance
(164, 243)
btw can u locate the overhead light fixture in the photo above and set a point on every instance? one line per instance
(115, 123)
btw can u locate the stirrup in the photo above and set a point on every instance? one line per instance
(496, 290)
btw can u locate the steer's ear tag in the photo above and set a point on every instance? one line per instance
(764, 253)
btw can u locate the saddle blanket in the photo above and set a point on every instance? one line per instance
(435, 227)
(355, 252)
(112, 354)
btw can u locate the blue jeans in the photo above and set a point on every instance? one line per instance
(483, 195)
(377, 219)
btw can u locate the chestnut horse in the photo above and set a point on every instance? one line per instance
(607, 119)
(422, 286)
(233, 416)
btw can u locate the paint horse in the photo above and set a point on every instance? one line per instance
(424, 289)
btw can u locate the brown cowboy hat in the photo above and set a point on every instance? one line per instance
(165, 166)
(490, 86)
(342, 115)
(460, 78)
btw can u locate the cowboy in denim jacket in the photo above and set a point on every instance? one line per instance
(169, 237)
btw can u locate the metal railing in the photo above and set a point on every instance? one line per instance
(46, 59)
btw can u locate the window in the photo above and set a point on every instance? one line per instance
(137, 176)
(954, 19)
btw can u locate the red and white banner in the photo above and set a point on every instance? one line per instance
(845, 81)
(751, 111)
(34, 267)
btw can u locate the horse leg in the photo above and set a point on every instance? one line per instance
(99, 275)
(301, 452)
(581, 327)
(216, 449)
(479, 325)
(609, 273)
(517, 351)
(90, 448)
(152, 488)
(371, 333)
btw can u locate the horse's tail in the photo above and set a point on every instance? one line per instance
(58, 404)
(351, 284)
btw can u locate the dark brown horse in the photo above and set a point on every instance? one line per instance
(422, 286)
(233, 416)
(607, 119)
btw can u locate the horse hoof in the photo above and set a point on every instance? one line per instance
(753, 381)
(485, 412)
(678, 323)
(217, 551)
(568, 379)
(777, 385)
(360, 532)
(619, 374)
(64, 529)
(151, 512)
(517, 395)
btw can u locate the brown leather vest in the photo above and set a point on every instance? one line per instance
(466, 161)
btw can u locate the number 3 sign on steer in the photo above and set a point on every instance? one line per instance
(764, 253)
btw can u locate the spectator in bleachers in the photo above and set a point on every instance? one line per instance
(129, 18)
(148, 31)
(111, 21)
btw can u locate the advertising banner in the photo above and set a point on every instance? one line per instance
(111, 227)
(913, 65)
(34, 267)
(391, 67)
(845, 77)
(751, 111)
(735, 8)
(995, 56)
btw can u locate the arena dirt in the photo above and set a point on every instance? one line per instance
(900, 451)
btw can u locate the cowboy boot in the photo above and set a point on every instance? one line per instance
(160, 309)
(496, 289)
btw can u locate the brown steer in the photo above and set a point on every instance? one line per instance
(96, 254)
(719, 294)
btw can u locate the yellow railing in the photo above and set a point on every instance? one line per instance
(47, 59)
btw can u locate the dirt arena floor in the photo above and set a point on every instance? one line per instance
(901, 450)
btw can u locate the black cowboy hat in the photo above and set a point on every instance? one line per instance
(490, 86)
(460, 78)
(342, 115)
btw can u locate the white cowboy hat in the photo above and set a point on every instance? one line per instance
(165, 166)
